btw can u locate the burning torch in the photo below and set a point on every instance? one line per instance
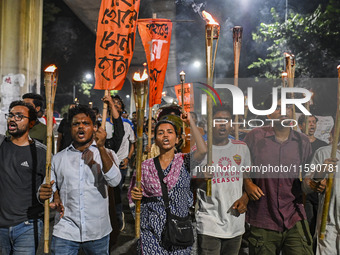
(50, 81)
(237, 39)
(140, 91)
(325, 209)
(212, 32)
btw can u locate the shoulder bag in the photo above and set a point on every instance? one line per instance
(178, 231)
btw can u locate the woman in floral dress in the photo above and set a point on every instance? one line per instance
(176, 169)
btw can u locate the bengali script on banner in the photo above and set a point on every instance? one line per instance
(156, 38)
(115, 42)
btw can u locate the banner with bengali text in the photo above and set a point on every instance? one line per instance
(116, 32)
(156, 38)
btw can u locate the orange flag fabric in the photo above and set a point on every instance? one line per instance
(156, 38)
(116, 32)
(188, 95)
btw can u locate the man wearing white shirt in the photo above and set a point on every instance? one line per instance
(81, 174)
(220, 218)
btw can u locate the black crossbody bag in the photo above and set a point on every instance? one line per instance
(178, 231)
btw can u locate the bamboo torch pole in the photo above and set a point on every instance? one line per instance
(150, 112)
(290, 69)
(306, 129)
(149, 131)
(237, 39)
(284, 78)
(140, 91)
(212, 31)
(329, 187)
(50, 77)
(182, 77)
(104, 116)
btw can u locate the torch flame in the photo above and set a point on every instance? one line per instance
(210, 20)
(51, 69)
(137, 77)
(338, 67)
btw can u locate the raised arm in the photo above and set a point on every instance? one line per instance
(199, 154)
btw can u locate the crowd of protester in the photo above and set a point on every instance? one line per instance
(236, 210)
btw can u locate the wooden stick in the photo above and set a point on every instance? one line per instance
(140, 90)
(284, 77)
(149, 131)
(237, 39)
(306, 129)
(104, 116)
(211, 33)
(50, 90)
(140, 119)
(329, 187)
(290, 70)
(182, 78)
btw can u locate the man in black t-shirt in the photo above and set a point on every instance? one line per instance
(312, 123)
(22, 170)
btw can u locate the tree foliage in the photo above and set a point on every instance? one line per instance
(313, 38)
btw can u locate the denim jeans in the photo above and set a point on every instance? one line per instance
(21, 239)
(60, 246)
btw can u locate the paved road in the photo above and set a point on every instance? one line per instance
(126, 243)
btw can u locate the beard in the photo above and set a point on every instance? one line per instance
(18, 132)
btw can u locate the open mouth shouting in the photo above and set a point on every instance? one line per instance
(81, 134)
(166, 141)
(12, 126)
(222, 131)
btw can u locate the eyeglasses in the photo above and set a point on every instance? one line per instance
(17, 117)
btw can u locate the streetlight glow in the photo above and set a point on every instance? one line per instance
(88, 76)
(197, 64)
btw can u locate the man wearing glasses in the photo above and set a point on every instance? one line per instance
(22, 170)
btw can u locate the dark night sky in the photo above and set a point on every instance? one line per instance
(70, 44)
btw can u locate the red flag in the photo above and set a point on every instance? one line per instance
(156, 38)
(188, 95)
(115, 43)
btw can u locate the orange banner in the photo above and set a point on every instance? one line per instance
(115, 42)
(188, 95)
(156, 38)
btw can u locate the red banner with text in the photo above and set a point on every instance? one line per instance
(116, 32)
(156, 38)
